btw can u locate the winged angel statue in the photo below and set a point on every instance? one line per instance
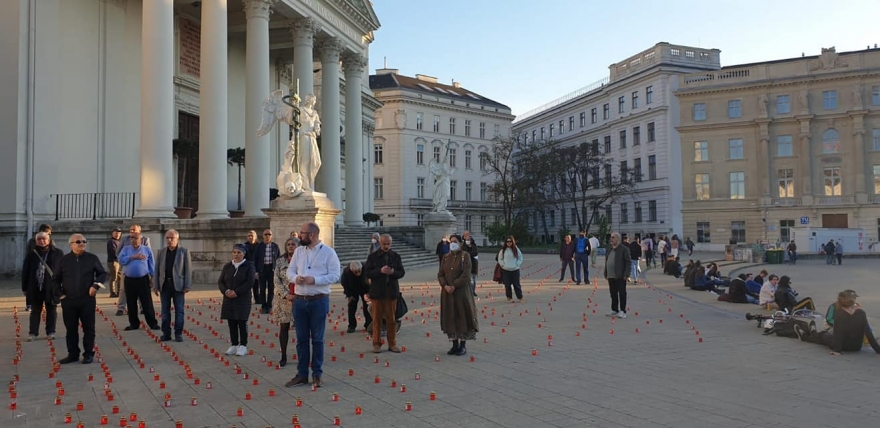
(302, 160)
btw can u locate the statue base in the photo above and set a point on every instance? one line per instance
(438, 225)
(288, 215)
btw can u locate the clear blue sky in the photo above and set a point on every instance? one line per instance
(526, 53)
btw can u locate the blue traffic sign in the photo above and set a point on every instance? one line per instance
(805, 220)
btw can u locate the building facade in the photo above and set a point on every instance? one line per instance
(768, 148)
(423, 121)
(631, 115)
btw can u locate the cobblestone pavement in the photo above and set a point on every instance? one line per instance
(679, 360)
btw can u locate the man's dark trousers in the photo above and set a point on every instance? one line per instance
(582, 263)
(138, 289)
(167, 296)
(267, 287)
(74, 312)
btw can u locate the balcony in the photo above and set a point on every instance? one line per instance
(835, 200)
(455, 204)
(786, 202)
(93, 206)
(875, 199)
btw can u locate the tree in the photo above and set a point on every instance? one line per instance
(186, 150)
(235, 157)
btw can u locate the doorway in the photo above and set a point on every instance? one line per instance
(835, 221)
(188, 166)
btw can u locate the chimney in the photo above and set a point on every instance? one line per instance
(456, 84)
(425, 78)
(380, 71)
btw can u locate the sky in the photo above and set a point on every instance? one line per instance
(524, 53)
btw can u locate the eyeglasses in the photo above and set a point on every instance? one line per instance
(79, 242)
(267, 234)
(510, 242)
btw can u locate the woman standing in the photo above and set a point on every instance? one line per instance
(282, 306)
(36, 284)
(236, 282)
(457, 310)
(850, 327)
(510, 259)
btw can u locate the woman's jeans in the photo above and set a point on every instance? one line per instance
(511, 278)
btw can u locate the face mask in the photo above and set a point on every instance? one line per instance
(470, 242)
(375, 241)
(453, 246)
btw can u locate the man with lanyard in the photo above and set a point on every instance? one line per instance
(582, 257)
(313, 269)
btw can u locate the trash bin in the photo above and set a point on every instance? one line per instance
(774, 257)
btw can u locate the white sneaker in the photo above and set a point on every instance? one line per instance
(713, 293)
(232, 350)
(31, 338)
(242, 351)
(612, 314)
(621, 314)
(51, 337)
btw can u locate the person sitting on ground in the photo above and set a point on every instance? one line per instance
(736, 293)
(787, 299)
(760, 278)
(850, 327)
(753, 289)
(713, 272)
(673, 267)
(767, 295)
(703, 283)
(688, 271)
(689, 276)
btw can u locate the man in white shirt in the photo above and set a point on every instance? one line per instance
(313, 269)
(594, 245)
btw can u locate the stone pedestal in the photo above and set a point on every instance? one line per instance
(437, 225)
(288, 215)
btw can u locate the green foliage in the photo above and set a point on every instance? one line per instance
(371, 218)
(604, 230)
(563, 232)
(235, 157)
(497, 232)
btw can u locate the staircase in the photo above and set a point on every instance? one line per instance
(352, 244)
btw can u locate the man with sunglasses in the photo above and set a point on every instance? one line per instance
(265, 255)
(78, 278)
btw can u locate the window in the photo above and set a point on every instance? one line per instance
(701, 182)
(436, 123)
(561, 127)
(468, 222)
(635, 100)
(637, 169)
(484, 189)
(453, 184)
(594, 177)
(675, 52)
(451, 126)
(701, 151)
(571, 123)
(783, 146)
(451, 156)
(624, 213)
(483, 130)
(652, 167)
(534, 135)
(594, 148)
(703, 232)
(877, 179)
(649, 95)
(552, 215)
(543, 134)
(594, 115)
(608, 175)
(734, 109)
(829, 100)
(624, 167)
(623, 138)
(738, 185)
(652, 210)
(738, 231)
(830, 141)
(651, 132)
(377, 154)
(699, 111)
(875, 95)
(562, 218)
(419, 121)
(608, 214)
(420, 154)
(606, 111)
(467, 159)
(584, 118)
(637, 135)
(832, 181)
(607, 144)
(420, 187)
(689, 54)
(467, 128)
(420, 220)
(783, 104)
(637, 208)
(468, 190)
(496, 130)
(785, 230)
(484, 223)
(551, 130)
(436, 153)
(621, 104)
(378, 188)
(735, 148)
(785, 178)
(484, 161)
(875, 139)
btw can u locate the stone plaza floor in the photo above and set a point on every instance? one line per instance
(681, 359)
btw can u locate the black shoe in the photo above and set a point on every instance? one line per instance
(316, 380)
(87, 359)
(454, 349)
(461, 349)
(165, 338)
(283, 361)
(120, 313)
(68, 359)
(155, 327)
(113, 295)
(297, 381)
(178, 338)
(350, 330)
(398, 326)
(578, 283)
(130, 328)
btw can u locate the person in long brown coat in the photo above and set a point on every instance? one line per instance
(458, 313)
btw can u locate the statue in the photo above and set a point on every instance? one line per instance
(857, 97)
(441, 172)
(762, 105)
(805, 103)
(302, 160)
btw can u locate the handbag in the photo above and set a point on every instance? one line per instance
(497, 275)
(402, 309)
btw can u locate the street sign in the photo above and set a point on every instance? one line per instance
(805, 220)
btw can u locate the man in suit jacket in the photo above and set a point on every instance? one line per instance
(266, 254)
(171, 281)
(618, 263)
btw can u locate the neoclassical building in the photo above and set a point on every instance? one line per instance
(774, 146)
(422, 120)
(631, 116)
(95, 91)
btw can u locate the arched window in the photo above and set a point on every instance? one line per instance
(831, 141)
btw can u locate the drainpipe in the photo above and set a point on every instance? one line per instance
(31, 98)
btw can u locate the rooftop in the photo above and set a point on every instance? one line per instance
(385, 79)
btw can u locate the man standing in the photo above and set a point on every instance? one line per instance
(384, 268)
(79, 276)
(36, 284)
(617, 266)
(266, 253)
(470, 247)
(829, 252)
(114, 276)
(354, 285)
(172, 279)
(583, 250)
(648, 251)
(690, 246)
(838, 252)
(442, 249)
(29, 248)
(594, 252)
(663, 249)
(567, 258)
(137, 266)
(251, 255)
(313, 268)
(134, 230)
(635, 253)
(792, 252)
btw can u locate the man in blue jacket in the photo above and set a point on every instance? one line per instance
(582, 257)
(137, 266)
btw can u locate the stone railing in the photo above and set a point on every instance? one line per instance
(835, 200)
(787, 202)
(715, 77)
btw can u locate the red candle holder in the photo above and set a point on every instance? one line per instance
(194, 402)
(115, 410)
(376, 380)
(247, 396)
(403, 387)
(337, 421)
(358, 410)
(408, 406)
(418, 376)
(123, 422)
(209, 385)
(433, 396)
(104, 420)
(68, 418)
(79, 406)
(133, 416)
(240, 412)
(271, 392)
(393, 383)
(351, 372)
(299, 402)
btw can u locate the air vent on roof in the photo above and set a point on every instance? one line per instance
(440, 90)
(473, 96)
(423, 86)
(425, 78)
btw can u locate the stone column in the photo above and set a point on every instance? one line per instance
(765, 168)
(861, 157)
(303, 32)
(354, 64)
(257, 169)
(805, 156)
(157, 109)
(213, 111)
(330, 175)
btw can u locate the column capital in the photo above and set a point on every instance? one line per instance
(353, 63)
(258, 8)
(303, 31)
(329, 49)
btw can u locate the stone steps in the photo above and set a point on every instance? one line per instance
(353, 244)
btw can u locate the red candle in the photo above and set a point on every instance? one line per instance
(299, 402)
(271, 392)
(358, 410)
(104, 420)
(240, 412)
(79, 406)
(133, 416)
(408, 406)
(335, 397)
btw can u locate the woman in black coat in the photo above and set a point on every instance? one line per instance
(36, 284)
(236, 282)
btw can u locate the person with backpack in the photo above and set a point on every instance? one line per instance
(850, 327)
(787, 298)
